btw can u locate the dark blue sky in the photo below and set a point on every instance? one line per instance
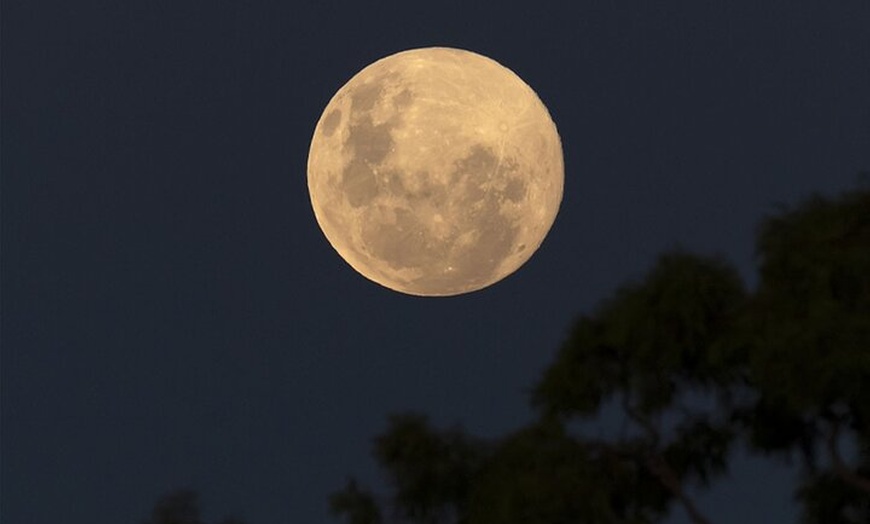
(172, 315)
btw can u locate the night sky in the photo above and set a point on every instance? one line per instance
(172, 315)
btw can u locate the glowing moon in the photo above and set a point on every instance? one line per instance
(435, 172)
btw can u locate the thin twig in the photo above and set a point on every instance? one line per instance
(842, 470)
(666, 475)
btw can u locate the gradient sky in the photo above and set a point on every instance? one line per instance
(172, 315)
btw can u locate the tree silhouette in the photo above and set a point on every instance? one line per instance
(809, 354)
(693, 363)
(651, 349)
(180, 507)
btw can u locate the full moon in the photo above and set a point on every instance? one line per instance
(435, 172)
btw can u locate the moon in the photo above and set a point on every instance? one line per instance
(435, 172)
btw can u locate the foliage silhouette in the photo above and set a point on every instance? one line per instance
(809, 356)
(693, 363)
(180, 507)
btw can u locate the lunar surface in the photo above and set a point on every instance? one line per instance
(435, 172)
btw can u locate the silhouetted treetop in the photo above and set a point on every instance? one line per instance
(691, 363)
(181, 507)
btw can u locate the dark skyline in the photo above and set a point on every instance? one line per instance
(172, 315)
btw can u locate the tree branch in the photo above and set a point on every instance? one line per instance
(658, 466)
(842, 470)
(641, 421)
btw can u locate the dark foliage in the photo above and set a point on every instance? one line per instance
(693, 362)
(181, 507)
